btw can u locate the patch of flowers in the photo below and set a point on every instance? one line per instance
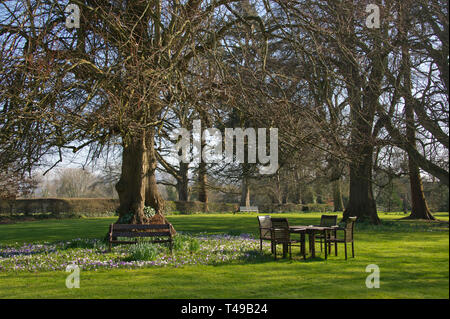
(92, 254)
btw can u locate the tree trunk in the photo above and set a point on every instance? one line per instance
(131, 186)
(298, 197)
(364, 91)
(278, 190)
(298, 190)
(404, 205)
(202, 181)
(419, 207)
(361, 201)
(335, 180)
(152, 196)
(245, 194)
(313, 195)
(202, 172)
(285, 190)
(285, 198)
(337, 196)
(183, 182)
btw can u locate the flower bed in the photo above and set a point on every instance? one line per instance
(91, 254)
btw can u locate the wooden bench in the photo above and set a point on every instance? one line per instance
(249, 209)
(139, 231)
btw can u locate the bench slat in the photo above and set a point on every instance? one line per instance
(248, 209)
(139, 234)
(135, 241)
(139, 227)
(123, 242)
(126, 230)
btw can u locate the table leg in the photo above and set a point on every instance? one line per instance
(313, 244)
(310, 242)
(335, 243)
(325, 235)
(302, 244)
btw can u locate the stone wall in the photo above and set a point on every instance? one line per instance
(99, 206)
(58, 205)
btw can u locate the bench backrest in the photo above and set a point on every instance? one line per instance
(126, 230)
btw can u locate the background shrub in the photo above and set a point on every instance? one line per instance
(142, 251)
(194, 245)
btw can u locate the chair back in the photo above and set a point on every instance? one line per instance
(349, 227)
(280, 230)
(328, 220)
(265, 225)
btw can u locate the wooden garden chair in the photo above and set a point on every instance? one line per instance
(348, 236)
(326, 221)
(265, 233)
(281, 234)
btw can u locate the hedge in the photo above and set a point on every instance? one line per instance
(99, 206)
(94, 207)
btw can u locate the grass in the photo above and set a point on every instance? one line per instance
(413, 257)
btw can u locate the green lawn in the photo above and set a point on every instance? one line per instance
(413, 258)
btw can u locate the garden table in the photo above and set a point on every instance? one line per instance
(311, 231)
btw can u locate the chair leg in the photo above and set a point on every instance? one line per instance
(353, 250)
(321, 244)
(260, 245)
(345, 243)
(335, 248)
(309, 243)
(275, 251)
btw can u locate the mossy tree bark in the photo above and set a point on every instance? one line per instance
(152, 196)
(131, 186)
(137, 186)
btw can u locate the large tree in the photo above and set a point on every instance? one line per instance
(111, 77)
